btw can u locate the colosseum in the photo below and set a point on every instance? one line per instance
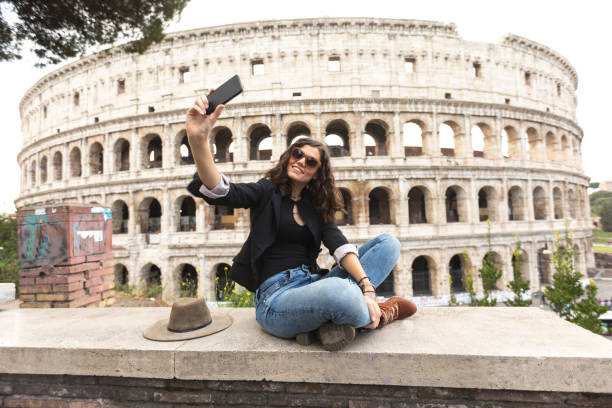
(431, 135)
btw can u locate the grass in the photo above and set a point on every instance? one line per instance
(601, 237)
(603, 249)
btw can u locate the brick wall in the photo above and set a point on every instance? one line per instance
(47, 391)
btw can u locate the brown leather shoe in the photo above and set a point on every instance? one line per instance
(394, 309)
(335, 336)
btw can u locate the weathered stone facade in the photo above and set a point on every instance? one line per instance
(431, 135)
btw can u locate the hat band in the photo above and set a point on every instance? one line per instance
(188, 330)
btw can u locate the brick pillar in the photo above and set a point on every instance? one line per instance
(65, 256)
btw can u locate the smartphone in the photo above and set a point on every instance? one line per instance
(223, 94)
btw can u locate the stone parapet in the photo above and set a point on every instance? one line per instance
(498, 349)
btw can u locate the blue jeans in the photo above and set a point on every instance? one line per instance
(296, 301)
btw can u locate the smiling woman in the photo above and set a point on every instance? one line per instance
(298, 197)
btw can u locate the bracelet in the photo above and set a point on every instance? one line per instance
(365, 277)
(364, 291)
(369, 291)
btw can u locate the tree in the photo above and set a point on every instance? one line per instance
(588, 311)
(58, 30)
(489, 273)
(565, 292)
(9, 268)
(606, 216)
(594, 185)
(598, 199)
(518, 286)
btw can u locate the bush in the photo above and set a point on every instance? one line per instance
(518, 286)
(9, 260)
(606, 215)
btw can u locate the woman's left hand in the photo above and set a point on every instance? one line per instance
(375, 313)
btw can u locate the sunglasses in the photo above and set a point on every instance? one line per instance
(311, 162)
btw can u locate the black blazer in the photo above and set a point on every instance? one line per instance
(264, 200)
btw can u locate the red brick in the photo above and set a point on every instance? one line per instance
(83, 404)
(82, 267)
(35, 289)
(100, 272)
(35, 305)
(85, 300)
(590, 400)
(188, 397)
(108, 294)
(373, 403)
(26, 281)
(108, 285)
(51, 296)
(27, 297)
(68, 287)
(73, 261)
(27, 402)
(93, 282)
(38, 271)
(100, 257)
(5, 389)
(61, 279)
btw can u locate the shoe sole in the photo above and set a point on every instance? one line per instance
(335, 336)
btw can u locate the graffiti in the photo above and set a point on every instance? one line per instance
(106, 211)
(34, 237)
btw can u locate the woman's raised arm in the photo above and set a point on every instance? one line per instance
(198, 126)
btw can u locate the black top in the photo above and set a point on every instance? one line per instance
(264, 200)
(291, 246)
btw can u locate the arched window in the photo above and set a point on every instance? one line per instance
(96, 159)
(57, 166)
(558, 201)
(456, 268)
(336, 138)
(345, 218)
(540, 204)
(187, 215)
(260, 143)
(43, 169)
(487, 204)
(379, 207)
(447, 140)
(378, 133)
(296, 132)
(189, 281)
(121, 274)
(221, 144)
(150, 216)
(417, 212)
(152, 152)
(223, 284)
(223, 217)
(75, 162)
(516, 208)
(421, 285)
(120, 217)
(413, 139)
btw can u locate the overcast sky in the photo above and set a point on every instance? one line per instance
(578, 30)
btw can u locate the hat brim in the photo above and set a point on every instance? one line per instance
(159, 330)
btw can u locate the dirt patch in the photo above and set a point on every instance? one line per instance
(123, 300)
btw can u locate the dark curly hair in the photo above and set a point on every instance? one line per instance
(327, 197)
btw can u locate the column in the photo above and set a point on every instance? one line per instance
(135, 155)
(395, 142)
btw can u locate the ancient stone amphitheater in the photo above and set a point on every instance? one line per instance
(431, 135)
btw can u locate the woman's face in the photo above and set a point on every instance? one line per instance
(300, 169)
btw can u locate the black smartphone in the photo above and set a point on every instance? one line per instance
(223, 94)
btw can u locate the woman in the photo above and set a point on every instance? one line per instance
(292, 212)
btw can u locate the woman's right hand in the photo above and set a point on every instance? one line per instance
(197, 123)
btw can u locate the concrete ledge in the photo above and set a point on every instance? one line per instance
(480, 348)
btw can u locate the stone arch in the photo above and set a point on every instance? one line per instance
(488, 204)
(379, 206)
(576, 151)
(345, 218)
(296, 131)
(337, 138)
(186, 214)
(33, 173)
(571, 199)
(486, 140)
(121, 217)
(413, 138)
(499, 263)
(75, 162)
(422, 276)
(420, 204)
(121, 151)
(514, 142)
(96, 159)
(551, 147)
(188, 280)
(378, 130)
(456, 273)
(43, 169)
(523, 262)
(183, 155)
(516, 204)
(221, 145)
(223, 217)
(565, 150)
(149, 214)
(540, 203)
(151, 150)
(260, 142)
(558, 203)
(223, 283)
(450, 138)
(505, 145)
(57, 166)
(151, 274)
(579, 260)
(122, 276)
(456, 204)
(544, 264)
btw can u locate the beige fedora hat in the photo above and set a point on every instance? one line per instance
(189, 319)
